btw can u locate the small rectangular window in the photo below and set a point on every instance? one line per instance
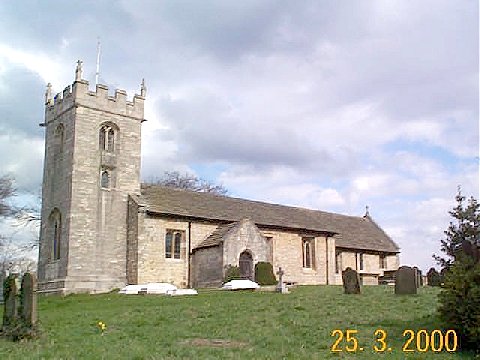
(382, 261)
(361, 261)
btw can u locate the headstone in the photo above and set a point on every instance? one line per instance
(2, 279)
(406, 281)
(10, 304)
(281, 287)
(351, 281)
(417, 279)
(28, 300)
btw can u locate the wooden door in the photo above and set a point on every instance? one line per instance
(246, 265)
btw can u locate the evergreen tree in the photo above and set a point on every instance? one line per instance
(464, 227)
(459, 300)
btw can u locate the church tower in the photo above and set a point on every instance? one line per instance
(92, 164)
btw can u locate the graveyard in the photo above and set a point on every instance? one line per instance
(218, 324)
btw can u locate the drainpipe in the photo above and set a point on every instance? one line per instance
(189, 250)
(326, 246)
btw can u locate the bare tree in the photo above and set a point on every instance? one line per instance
(188, 181)
(12, 254)
(7, 191)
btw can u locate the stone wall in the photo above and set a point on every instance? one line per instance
(245, 237)
(152, 264)
(371, 265)
(207, 267)
(132, 241)
(283, 249)
(288, 254)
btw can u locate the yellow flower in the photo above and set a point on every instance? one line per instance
(102, 326)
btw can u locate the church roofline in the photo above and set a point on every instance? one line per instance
(356, 231)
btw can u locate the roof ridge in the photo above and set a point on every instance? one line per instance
(201, 193)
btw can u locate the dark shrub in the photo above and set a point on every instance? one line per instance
(460, 303)
(232, 273)
(264, 273)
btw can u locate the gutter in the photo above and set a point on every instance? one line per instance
(189, 251)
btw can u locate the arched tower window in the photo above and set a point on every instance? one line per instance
(110, 140)
(105, 179)
(106, 137)
(56, 233)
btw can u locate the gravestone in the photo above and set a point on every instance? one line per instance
(281, 287)
(19, 322)
(10, 301)
(2, 279)
(28, 300)
(351, 281)
(406, 281)
(418, 277)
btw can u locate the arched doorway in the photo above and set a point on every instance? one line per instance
(246, 265)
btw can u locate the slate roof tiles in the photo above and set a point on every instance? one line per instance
(352, 231)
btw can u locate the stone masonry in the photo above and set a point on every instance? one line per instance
(92, 221)
(101, 230)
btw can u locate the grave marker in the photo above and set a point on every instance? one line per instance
(10, 304)
(28, 300)
(281, 288)
(19, 322)
(351, 281)
(406, 281)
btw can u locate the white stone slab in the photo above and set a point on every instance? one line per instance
(179, 292)
(150, 288)
(240, 284)
(160, 288)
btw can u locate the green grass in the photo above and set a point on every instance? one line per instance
(259, 325)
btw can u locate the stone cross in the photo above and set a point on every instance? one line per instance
(28, 300)
(281, 288)
(351, 281)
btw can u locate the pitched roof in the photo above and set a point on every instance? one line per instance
(353, 231)
(218, 235)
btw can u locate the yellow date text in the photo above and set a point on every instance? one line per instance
(413, 341)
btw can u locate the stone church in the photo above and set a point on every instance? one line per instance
(101, 228)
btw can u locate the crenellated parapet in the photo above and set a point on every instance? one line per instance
(79, 94)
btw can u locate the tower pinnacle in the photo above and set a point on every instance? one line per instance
(48, 94)
(143, 89)
(78, 71)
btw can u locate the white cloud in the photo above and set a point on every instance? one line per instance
(330, 105)
(49, 69)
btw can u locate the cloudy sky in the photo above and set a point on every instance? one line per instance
(330, 105)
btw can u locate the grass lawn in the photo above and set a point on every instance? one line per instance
(229, 325)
